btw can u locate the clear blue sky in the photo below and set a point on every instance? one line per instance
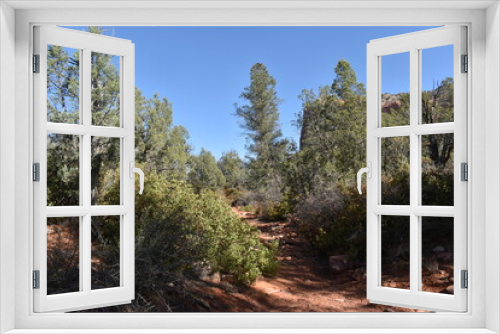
(203, 70)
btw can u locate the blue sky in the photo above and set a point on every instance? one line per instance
(203, 70)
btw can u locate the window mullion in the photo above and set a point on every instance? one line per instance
(81, 232)
(85, 246)
(414, 170)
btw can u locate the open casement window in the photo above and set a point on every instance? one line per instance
(416, 148)
(83, 168)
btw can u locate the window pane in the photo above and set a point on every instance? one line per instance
(437, 254)
(437, 84)
(395, 178)
(63, 85)
(105, 89)
(105, 252)
(437, 170)
(63, 261)
(395, 89)
(105, 171)
(395, 252)
(63, 167)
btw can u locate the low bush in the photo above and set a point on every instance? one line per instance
(177, 232)
(275, 211)
(333, 220)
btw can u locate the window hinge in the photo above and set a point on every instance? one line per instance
(465, 64)
(465, 279)
(464, 167)
(36, 172)
(36, 63)
(36, 279)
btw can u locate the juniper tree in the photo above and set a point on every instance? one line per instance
(233, 169)
(204, 172)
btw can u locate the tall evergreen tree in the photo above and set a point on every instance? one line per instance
(260, 121)
(63, 87)
(105, 111)
(350, 122)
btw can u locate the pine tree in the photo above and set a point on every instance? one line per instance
(63, 85)
(349, 121)
(63, 80)
(105, 111)
(260, 121)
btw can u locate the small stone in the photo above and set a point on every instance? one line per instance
(273, 291)
(450, 290)
(288, 258)
(214, 278)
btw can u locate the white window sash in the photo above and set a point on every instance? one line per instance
(413, 43)
(87, 43)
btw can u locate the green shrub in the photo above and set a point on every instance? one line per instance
(177, 229)
(333, 220)
(248, 208)
(274, 211)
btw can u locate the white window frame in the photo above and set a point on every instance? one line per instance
(85, 43)
(484, 211)
(414, 43)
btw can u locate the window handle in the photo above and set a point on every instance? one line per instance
(368, 171)
(141, 175)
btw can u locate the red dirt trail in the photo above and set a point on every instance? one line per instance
(303, 283)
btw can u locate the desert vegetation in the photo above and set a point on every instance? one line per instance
(186, 227)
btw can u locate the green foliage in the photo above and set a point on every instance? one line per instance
(160, 143)
(260, 120)
(248, 208)
(105, 82)
(333, 133)
(195, 228)
(397, 109)
(332, 146)
(233, 169)
(63, 85)
(183, 220)
(205, 173)
(276, 211)
(333, 219)
(179, 228)
(63, 176)
(437, 187)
